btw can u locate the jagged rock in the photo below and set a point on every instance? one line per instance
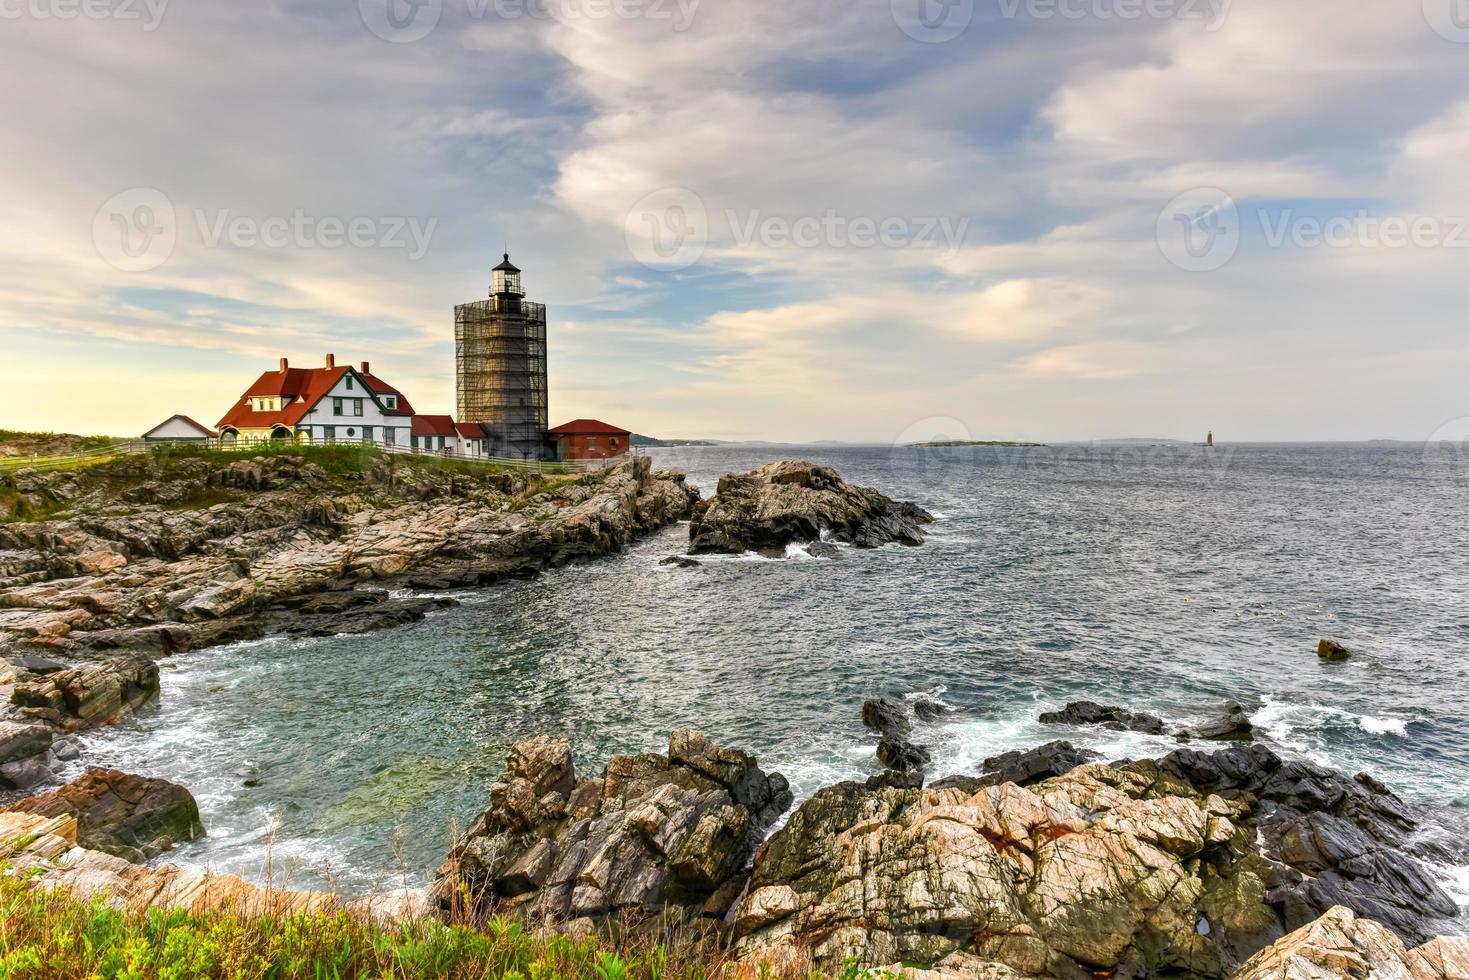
(797, 502)
(1341, 946)
(132, 817)
(1332, 651)
(928, 709)
(895, 749)
(38, 665)
(823, 549)
(20, 741)
(164, 581)
(89, 696)
(1231, 724)
(1107, 716)
(367, 619)
(680, 561)
(1170, 867)
(653, 835)
(1022, 767)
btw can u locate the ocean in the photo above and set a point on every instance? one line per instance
(1165, 578)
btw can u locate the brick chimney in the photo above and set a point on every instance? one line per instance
(331, 360)
(366, 368)
(285, 365)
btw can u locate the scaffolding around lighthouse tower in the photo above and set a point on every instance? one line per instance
(500, 366)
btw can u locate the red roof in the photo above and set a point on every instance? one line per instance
(306, 386)
(433, 425)
(470, 430)
(588, 427)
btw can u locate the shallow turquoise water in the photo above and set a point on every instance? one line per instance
(1163, 578)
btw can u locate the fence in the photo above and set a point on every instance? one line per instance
(102, 454)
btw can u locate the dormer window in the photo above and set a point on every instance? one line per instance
(349, 382)
(390, 401)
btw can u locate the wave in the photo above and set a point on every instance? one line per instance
(1284, 721)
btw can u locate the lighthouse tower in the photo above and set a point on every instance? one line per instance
(500, 366)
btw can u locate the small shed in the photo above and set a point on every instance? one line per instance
(180, 428)
(588, 439)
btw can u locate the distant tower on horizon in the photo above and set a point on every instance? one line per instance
(1210, 443)
(500, 366)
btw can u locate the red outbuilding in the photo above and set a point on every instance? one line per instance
(588, 439)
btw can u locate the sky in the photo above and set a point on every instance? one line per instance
(862, 220)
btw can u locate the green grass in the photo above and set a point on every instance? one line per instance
(50, 934)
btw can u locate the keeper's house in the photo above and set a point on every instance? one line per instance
(179, 428)
(588, 439)
(329, 404)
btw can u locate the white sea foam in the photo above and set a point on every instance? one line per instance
(1290, 723)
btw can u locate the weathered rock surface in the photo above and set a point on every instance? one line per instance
(132, 817)
(654, 836)
(1341, 945)
(799, 502)
(1330, 650)
(45, 851)
(1107, 716)
(1185, 866)
(136, 575)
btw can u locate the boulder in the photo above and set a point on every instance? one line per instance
(132, 817)
(895, 749)
(799, 502)
(38, 665)
(1230, 724)
(665, 836)
(1022, 767)
(21, 741)
(1332, 651)
(680, 561)
(1107, 716)
(823, 549)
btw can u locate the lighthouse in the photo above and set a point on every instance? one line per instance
(500, 366)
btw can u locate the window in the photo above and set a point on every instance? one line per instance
(390, 401)
(390, 437)
(591, 442)
(349, 382)
(336, 406)
(330, 433)
(351, 433)
(357, 406)
(367, 433)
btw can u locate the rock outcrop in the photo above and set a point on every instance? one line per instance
(1332, 651)
(1107, 716)
(654, 837)
(133, 817)
(1341, 945)
(1186, 866)
(895, 748)
(795, 503)
(1231, 723)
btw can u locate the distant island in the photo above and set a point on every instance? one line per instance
(651, 442)
(1002, 443)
